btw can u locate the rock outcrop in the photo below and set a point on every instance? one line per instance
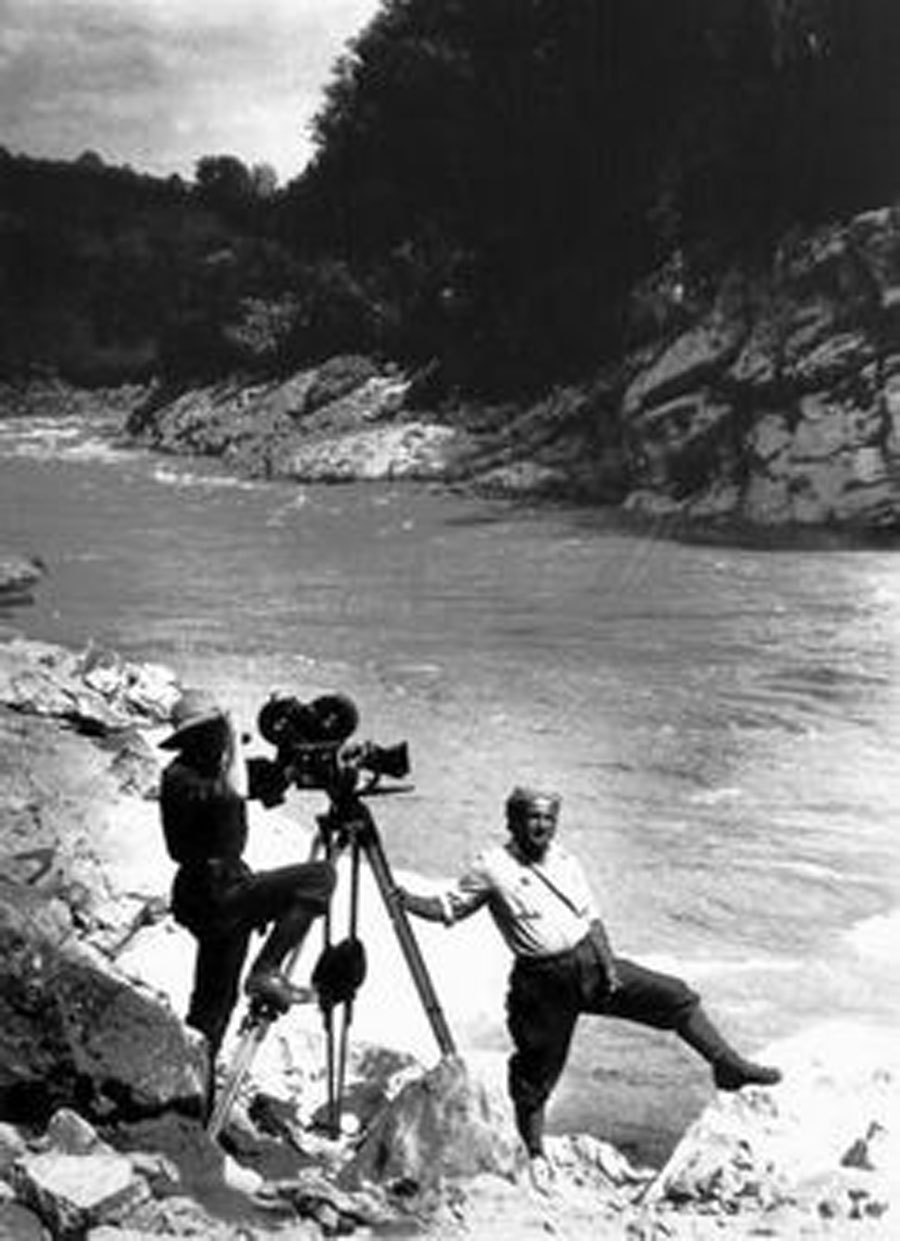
(18, 577)
(779, 403)
(73, 1029)
(95, 690)
(335, 423)
(445, 1124)
(75, 1032)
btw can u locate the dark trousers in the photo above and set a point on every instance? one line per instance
(289, 897)
(546, 997)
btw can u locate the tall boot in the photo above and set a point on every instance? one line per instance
(265, 980)
(730, 1070)
(530, 1124)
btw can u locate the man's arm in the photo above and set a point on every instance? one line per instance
(601, 943)
(234, 770)
(431, 908)
(454, 901)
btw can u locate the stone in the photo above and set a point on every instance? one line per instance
(415, 450)
(17, 1223)
(684, 365)
(444, 1125)
(336, 1210)
(96, 691)
(18, 576)
(71, 1193)
(73, 1032)
(71, 1134)
(12, 1146)
(825, 1133)
(146, 690)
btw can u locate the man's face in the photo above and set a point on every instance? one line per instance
(534, 827)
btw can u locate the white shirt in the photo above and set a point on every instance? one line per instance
(540, 909)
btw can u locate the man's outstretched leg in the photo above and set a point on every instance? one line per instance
(731, 1071)
(668, 1003)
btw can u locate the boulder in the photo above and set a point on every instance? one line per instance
(445, 1125)
(71, 1193)
(17, 1223)
(18, 576)
(73, 1032)
(412, 450)
(96, 691)
(826, 1140)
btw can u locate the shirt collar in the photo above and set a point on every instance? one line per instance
(512, 848)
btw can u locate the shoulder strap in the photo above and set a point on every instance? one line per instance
(548, 883)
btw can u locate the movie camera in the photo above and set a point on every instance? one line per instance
(313, 744)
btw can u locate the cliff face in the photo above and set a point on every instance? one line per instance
(771, 401)
(780, 404)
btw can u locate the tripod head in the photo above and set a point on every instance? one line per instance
(314, 749)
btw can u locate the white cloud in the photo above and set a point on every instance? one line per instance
(158, 83)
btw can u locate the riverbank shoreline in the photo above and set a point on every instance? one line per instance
(359, 446)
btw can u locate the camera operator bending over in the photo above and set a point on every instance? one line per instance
(542, 905)
(215, 894)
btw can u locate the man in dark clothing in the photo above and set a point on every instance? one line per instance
(215, 894)
(541, 903)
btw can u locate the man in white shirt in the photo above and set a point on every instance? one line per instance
(542, 905)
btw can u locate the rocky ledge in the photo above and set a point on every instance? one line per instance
(100, 1082)
(763, 399)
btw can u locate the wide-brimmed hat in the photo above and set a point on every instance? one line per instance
(193, 709)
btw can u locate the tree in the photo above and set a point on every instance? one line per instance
(224, 183)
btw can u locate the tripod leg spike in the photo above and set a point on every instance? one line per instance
(251, 1039)
(347, 1018)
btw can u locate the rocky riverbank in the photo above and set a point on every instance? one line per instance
(760, 403)
(100, 1081)
(764, 399)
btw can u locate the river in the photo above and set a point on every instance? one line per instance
(724, 723)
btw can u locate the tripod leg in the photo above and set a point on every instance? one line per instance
(347, 1017)
(328, 1022)
(327, 1009)
(407, 940)
(256, 1028)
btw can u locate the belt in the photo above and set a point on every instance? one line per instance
(551, 958)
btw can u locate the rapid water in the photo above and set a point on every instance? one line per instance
(724, 724)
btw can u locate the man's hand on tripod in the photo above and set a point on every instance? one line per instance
(431, 908)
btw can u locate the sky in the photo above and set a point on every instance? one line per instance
(156, 84)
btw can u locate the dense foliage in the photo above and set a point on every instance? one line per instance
(491, 179)
(506, 169)
(106, 274)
